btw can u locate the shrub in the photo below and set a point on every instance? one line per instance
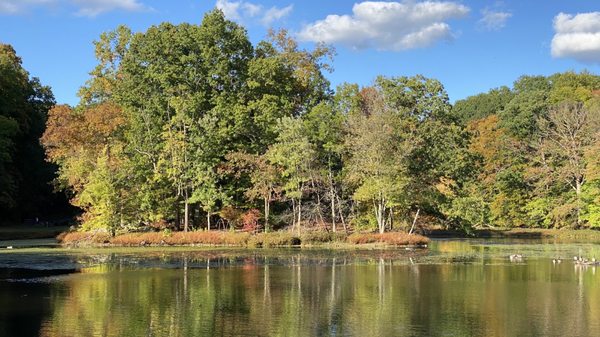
(391, 238)
(231, 215)
(182, 238)
(79, 238)
(160, 225)
(317, 237)
(136, 239)
(250, 221)
(275, 239)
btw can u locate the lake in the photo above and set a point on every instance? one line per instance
(454, 288)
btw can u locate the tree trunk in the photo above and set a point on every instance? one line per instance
(208, 219)
(319, 210)
(267, 206)
(333, 228)
(380, 214)
(414, 221)
(578, 200)
(299, 214)
(293, 214)
(186, 215)
(177, 215)
(341, 214)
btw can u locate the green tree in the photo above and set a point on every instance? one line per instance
(482, 105)
(378, 145)
(295, 155)
(568, 133)
(24, 174)
(87, 144)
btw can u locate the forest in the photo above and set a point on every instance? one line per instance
(192, 127)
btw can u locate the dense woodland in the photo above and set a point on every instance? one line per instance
(25, 191)
(191, 126)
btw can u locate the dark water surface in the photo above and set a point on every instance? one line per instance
(456, 288)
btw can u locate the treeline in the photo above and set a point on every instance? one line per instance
(539, 147)
(25, 177)
(192, 126)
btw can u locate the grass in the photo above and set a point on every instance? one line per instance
(239, 239)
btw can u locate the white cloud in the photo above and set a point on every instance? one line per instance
(95, 7)
(274, 14)
(492, 20)
(251, 9)
(230, 9)
(387, 25)
(240, 10)
(577, 36)
(19, 6)
(83, 7)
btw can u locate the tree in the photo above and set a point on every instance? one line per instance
(8, 130)
(482, 105)
(295, 155)
(324, 126)
(568, 132)
(87, 144)
(265, 179)
(181, 87)
(378, 147)
(24, 174)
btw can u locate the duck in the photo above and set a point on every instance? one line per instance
(516, 257)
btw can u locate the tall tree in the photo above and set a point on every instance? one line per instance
(87, 144)
(296, 156)
(24, 174)
(378, 145)
(569, 132)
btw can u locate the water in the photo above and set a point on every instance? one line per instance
(456, 288)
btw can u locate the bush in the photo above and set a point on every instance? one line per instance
(82, 238)
(317, 237)
(250, 221)
(274, 239)
(160, 225)
(231, 215)
(391, 238)
(182, 238)
(136, 239)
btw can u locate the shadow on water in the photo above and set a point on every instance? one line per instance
(12, 274)
(24, 307)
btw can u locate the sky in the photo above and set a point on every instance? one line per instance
(470, 46)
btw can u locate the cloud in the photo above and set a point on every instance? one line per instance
(83, 7)
(96, 7)
(492, 20)
(240, 10)
(577, 37)
(387, 25)
(19, 6)
(274, 14)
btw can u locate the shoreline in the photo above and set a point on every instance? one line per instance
(278, 239)
(519, 233)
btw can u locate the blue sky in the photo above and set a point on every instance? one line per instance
(470, 46)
